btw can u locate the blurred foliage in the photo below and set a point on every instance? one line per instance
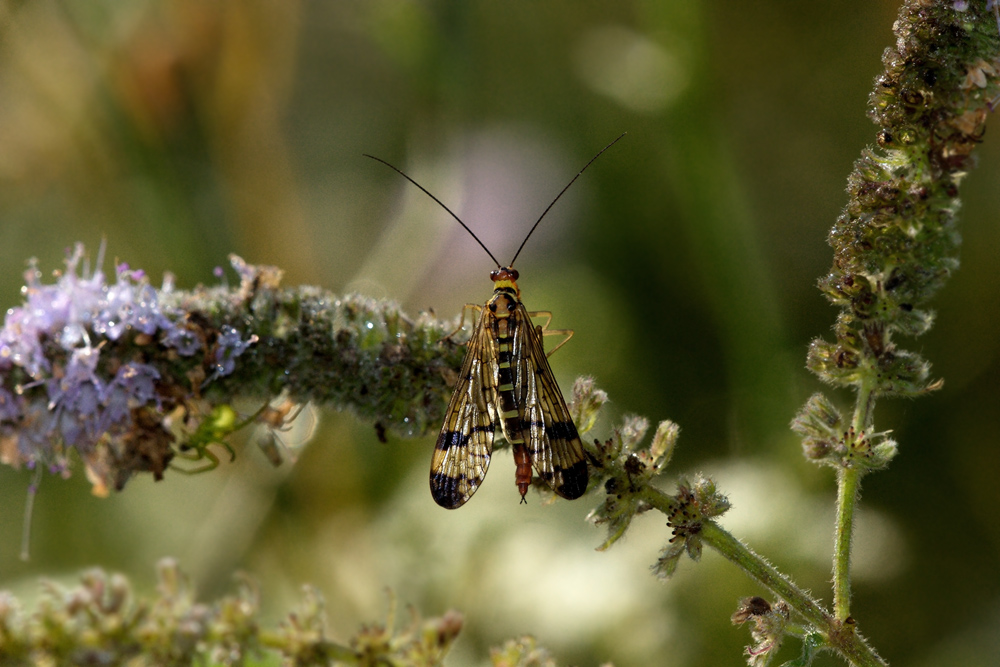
(102, 622)
(685, 259)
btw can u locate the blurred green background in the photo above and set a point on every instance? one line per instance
(685, 259)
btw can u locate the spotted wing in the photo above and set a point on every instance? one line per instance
(462, 453)
(551, 437)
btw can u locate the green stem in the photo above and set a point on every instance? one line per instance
(848, 487)
(765, 573)
(751, 563)
(840, 636)
(864, 406)
(848, 483)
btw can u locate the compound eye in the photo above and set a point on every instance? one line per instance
(513, 274)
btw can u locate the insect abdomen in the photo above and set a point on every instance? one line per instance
(510, 414)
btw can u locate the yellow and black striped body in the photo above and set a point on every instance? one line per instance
(502, 307)
(506, 380)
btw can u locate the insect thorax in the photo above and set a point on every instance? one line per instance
(503, 302)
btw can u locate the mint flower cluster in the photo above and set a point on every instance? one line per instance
(66, 385)
(130, 377)
(897, 241)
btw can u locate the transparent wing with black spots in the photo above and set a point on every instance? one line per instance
(553, 442)
(465, 444)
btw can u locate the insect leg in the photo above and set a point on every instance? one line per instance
(204, 453)
(543, 330)
(461, 322)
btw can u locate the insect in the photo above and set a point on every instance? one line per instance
(506, 380)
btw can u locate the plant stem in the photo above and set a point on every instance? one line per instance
(848, 487)
(765, 573)
(848, 483)
(839, 635)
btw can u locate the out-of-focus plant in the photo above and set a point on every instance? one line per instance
(103, 622)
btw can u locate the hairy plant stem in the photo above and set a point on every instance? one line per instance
(848, 484)
(848, 487)
(838, 632)
(840, 636)
(765, 573)
(897, 242)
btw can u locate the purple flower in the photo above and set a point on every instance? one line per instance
(98, 367)
(75, 307)
(131, 303)
(133, 385)
(10, 405)
(74, 399)
(229, 345)
(182, 339)
(78, 312)
(61, 312)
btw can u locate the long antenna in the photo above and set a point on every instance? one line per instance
(561, 192)
(473, 234)
(440, 203)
